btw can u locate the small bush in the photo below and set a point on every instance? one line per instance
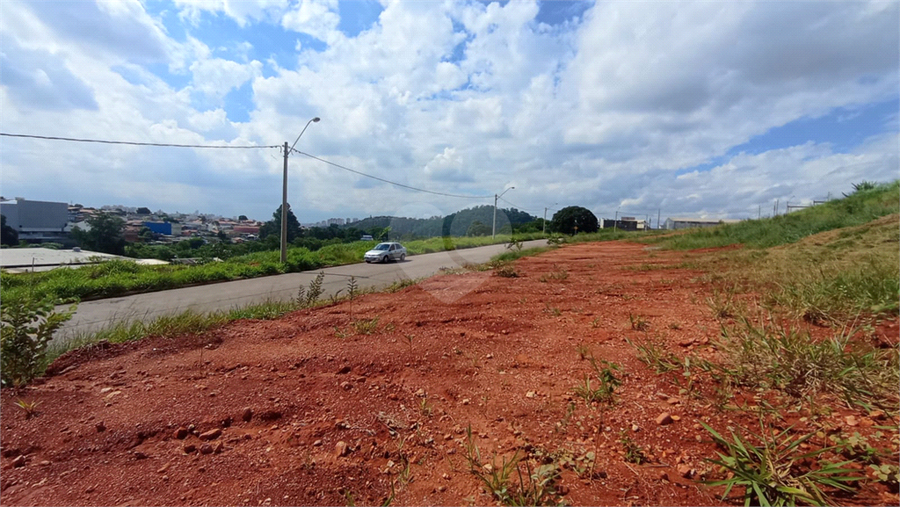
(27, 326)
(506, 271)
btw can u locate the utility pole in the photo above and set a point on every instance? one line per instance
(658, 212)
(616, 221)
(494, 226)
(759, 212)
(544, 230)
(284, 208)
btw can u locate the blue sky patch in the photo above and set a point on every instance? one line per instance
(555, 13)
(358, 16)
(239, 103)
(843, 128)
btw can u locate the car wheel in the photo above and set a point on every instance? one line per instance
(402, 257)
(386, 259)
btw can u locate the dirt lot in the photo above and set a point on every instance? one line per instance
(313, 409)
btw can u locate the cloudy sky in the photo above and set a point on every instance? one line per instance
(711, 109)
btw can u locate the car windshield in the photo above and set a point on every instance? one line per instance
(382, 246)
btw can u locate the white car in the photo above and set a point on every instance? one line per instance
(384, 252)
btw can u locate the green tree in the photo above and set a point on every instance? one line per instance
(273, 227)
(572, 219)
(146, 235)
(478, 229)
(8, 235)
(106, 234)
(242, 218)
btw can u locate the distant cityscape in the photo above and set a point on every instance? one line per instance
(47, 221)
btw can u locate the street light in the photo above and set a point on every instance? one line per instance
(284, 192)
(494, 228)
(544, 231)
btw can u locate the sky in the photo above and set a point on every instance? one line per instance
(673, 109)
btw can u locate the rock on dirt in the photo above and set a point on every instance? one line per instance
(211, 434)
(664, 419)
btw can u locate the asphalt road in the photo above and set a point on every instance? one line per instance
(94, 315)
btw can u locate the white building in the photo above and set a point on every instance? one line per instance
(36, 220)
(687, 223)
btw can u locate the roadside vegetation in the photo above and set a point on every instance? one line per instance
(114, 278)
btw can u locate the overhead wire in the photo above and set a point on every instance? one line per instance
(136, 143)
(205, 146)
(339, 166)
(516, 206)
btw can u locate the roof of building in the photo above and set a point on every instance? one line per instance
(703, 220)
(18, 260)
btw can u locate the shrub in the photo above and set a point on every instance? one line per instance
(27, 326)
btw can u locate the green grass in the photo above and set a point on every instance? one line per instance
(858, 208)
(172, 326)
(775, 355)
(507, 484)
(773, 471)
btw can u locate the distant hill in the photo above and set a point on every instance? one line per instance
(455, 224)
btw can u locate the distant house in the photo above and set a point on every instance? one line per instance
(687, 223)
(246, 229)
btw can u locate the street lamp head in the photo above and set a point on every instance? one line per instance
(316, 119)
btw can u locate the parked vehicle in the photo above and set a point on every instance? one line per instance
(384, 252)
(367, 237)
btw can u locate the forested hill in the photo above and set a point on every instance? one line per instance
(461, 223)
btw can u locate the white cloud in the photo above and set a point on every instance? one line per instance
(242, 12)
(216, 77)
(313, 17)
(712, 75)
(463, 98)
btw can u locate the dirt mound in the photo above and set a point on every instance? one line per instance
(387, 397)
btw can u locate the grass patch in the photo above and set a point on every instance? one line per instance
(858, 208)
(607, 382)
(514, 481)
(774, 355)
(775, 470)
(184, 323)
(512, 255)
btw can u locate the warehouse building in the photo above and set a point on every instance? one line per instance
(687, 223)
(36, 221)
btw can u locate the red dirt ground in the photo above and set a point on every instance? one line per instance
(308, 410)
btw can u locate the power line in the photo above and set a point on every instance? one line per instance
(339, 166)
(134, 143)
(517, 206)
